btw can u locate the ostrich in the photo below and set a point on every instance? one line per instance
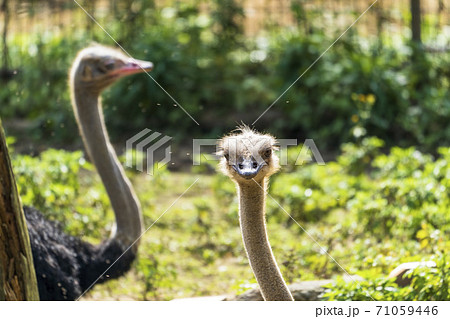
(66, 266)
(248, 159)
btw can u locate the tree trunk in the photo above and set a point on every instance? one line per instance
(416, 21)
(5, 57)
(17, 274)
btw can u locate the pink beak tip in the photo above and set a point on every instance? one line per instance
(136, 66)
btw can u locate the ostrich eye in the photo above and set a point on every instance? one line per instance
(109, 65)
(227, 156)
(267, 152)
(106, 66)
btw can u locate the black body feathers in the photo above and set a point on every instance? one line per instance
(65, 265)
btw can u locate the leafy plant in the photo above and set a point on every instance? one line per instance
(427, 284)
(370, 215)
(395, 92)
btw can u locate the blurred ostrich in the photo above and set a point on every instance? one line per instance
(248, 159)
(66, 266)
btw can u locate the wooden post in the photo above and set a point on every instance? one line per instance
(5, 55)
(17, 274)
(416, 21)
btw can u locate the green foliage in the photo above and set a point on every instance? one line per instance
(391, 195)
(357, 158)
(10, 140)
(203, 59)
(154, 273)
(410, 192)
(427, 284)
(58, 184)
(354, 91)
(224, 188)
(301, 193)
(395, 203)
(39, 91)
(370, 215)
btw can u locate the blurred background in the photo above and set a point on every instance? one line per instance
(230, 60)
(377, 105)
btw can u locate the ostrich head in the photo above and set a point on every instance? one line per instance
(97, 67)
(248, 155)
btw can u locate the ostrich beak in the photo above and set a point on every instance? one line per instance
(248, 168)
(134, 66)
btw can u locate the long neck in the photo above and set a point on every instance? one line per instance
(88, 112)
(256, 242)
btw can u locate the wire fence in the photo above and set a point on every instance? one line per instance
(394, 14)
(387, 15)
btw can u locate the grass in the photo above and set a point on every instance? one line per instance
(187, 257)
(368, 210)
(197, 245)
